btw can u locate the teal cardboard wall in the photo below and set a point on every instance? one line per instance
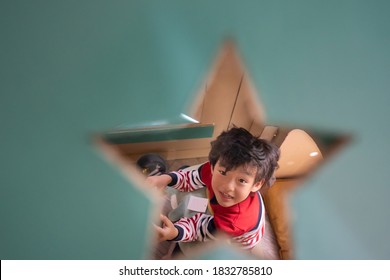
(72, 68)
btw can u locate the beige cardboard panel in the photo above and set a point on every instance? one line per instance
(246, 111)
(222, 91)
(228, 97)
(256, 128)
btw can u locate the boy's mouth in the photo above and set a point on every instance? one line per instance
(225, 195)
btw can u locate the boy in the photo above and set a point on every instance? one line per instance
(239, 165)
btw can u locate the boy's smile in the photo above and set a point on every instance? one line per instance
(233, 186)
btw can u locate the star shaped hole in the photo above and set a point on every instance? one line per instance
(228, 98)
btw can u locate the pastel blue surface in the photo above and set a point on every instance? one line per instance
(72, 68)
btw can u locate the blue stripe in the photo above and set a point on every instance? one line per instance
(179, 235)
(174, 179)
(200, 177)
(201, 229)
(211, 226)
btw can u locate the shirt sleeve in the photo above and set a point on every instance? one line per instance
(251, 238)
(199, 227)
(187, 179)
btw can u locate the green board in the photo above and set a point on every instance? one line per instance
(72, 68)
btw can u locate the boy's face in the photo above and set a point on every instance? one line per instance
(235, 185)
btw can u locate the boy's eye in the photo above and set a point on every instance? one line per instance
(242, 181)
(222, 172)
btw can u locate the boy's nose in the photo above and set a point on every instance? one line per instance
(229, 186)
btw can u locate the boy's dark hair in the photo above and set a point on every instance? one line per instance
(238, 147)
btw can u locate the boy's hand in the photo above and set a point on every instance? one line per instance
(168, 231)
(159, 181)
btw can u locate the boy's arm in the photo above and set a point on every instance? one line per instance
(188, 179)
(199, 227)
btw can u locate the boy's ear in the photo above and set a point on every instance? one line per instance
(257, 186)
